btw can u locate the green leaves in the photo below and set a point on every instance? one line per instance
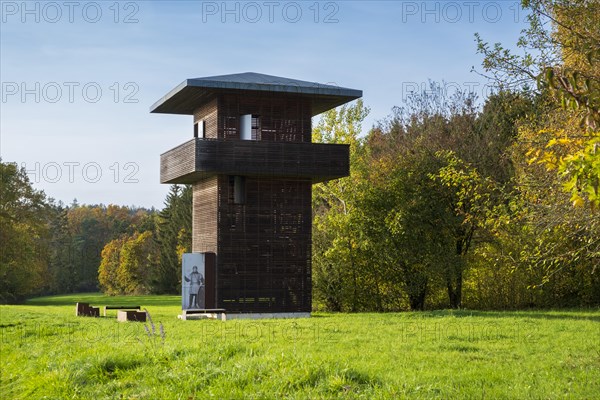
(338, 268)
(173, 237)
(582, 172)
(127, 264)
(23, 233)
(561, 50)
(473, 193)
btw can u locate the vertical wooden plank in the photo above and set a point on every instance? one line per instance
(210, 264)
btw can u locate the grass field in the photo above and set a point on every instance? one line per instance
(47, 352)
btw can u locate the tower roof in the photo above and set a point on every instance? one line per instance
(192, 93)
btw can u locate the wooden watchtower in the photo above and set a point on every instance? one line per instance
(251, 163)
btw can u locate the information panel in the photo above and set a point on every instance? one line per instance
(193, 281)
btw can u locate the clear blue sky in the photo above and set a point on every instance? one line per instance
(78, 78)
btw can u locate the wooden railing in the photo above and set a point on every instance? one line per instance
(200, 158)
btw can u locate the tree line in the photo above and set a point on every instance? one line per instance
(450, 203)
(49, 247)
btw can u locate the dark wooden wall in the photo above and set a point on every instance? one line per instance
(282, 118)
(210, 278)
(263, 246)
(264, 251)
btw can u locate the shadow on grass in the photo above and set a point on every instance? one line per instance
(99, 299)
(570, 314)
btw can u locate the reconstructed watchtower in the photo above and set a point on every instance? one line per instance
(252, 164)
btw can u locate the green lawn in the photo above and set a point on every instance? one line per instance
(47, 352)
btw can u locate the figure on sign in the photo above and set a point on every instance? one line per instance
(196, 288)
(193, 281)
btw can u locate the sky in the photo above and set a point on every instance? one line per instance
(78, 77)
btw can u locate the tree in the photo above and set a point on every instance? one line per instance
(107, 272)
(336, 269)
(399, 218)
(23, 229)
(564, 242)
(470, 197)
(128, 264)
(62, 269)
(555, 243)
(138, 258)
(429, 221)
(173, 237)
(562, 55)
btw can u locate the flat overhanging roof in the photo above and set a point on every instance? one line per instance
(192, 93)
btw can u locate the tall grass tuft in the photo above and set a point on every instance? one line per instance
(154, 341)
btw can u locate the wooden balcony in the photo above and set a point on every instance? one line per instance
(201, 158)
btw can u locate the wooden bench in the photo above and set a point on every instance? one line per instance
(85, 310)
(120, 308)
(131, 315)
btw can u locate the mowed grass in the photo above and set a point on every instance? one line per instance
(47, 352)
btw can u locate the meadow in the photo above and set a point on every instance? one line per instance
(49, 353)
